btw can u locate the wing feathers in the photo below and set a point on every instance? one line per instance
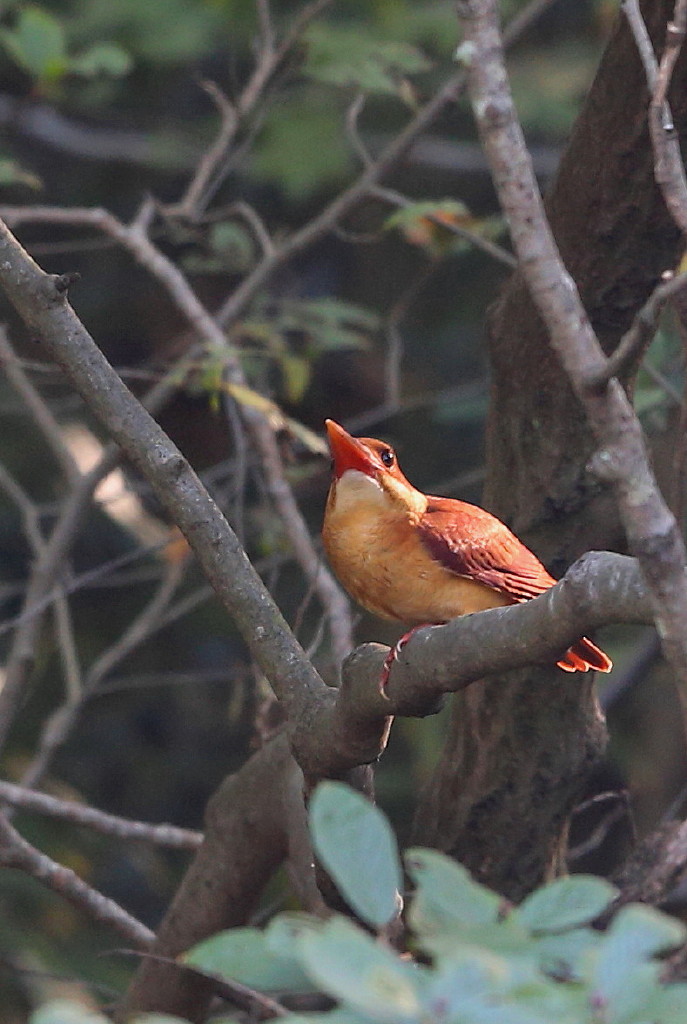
(471, 542)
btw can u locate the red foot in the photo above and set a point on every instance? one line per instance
(392, 656)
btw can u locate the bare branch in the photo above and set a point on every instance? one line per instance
(189, 205)
(16, 853)
(332, 214)
(652, 533)
(637, 339)
(34, 404)
(669, 168)
(224, 882)
(151, 617)
(330, 593)
(39, 593)
(99, 821)
(135, 240)
(47, 313)
(213, 166)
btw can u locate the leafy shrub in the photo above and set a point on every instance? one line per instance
(476, 959)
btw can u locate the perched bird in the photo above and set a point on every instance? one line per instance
(423, 560)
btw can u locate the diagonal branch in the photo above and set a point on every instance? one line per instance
(40, 300)
(134, 239)
(16, 853)
(652, 533)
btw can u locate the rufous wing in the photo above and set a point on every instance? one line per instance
(470, 542)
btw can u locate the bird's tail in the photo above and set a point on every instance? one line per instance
(583, 656)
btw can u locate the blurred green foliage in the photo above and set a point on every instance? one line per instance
(477, 959)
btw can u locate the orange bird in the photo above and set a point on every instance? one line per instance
(423, 560)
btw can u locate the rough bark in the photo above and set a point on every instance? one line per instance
(522, 747)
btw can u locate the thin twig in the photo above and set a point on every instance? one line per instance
(16, 853)
(669, 168)
(640, 334)
(214, 165)
(257, 1005)
(135, 241)
(145, 624)
(394, 353)
(330, 216)
(34, 403)
(353, 113)
(99, 821)
(190, 205)
(332, 597)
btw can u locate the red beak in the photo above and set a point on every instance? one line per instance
(348, 452)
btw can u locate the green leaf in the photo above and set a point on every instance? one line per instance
(667, 1005)
(565, 903)
(349, 965)
(244, 955)
(65, 1011)
(407, 216)
(639, 932)
(446, 894)
(622, 975)
(561, 954)
(329, 323)
(102, 59)
(285, 931)
(348, 57)
(234, 244)
(37, 43)
(355, 843)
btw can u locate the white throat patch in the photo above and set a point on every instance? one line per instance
(354, 487)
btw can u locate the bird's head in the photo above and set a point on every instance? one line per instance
(365, 469)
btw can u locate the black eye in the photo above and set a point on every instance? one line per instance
(387, 457)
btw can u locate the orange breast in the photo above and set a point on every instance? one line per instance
(379, 558)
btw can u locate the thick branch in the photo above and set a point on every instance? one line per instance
(651, 530)
(134, 239)
(245, 841)
(44, 308)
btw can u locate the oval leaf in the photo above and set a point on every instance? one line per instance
(242, 954)
(566, 903)
(446, 894)
(355, 843)
(352, 967)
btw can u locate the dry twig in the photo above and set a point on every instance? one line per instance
(99, 821)
(651, 530)
(16, 853)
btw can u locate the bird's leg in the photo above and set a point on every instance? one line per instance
(393, 654)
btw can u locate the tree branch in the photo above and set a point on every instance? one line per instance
(651, 530)
(16, 853)
(44, 308)
(99, 821)
(245, 842)
(134, 239)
